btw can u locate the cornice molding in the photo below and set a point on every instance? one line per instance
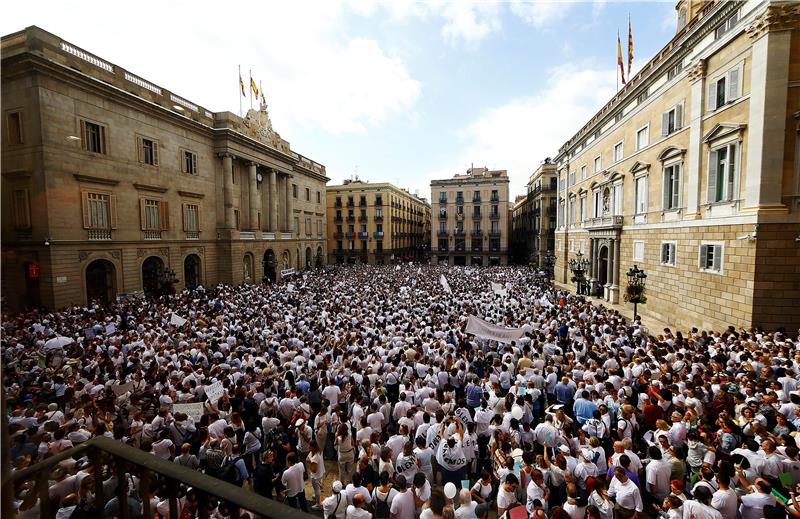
(89, 179)
(146, 187)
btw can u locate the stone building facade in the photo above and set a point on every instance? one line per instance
(377, 224)
(471, 218)
(692, 172)
(534, 221)
(114, 186)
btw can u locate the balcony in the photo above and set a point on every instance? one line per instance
(476, 200)
(363, 234)
(461, 247)
(443, 216)
(247, 235)
(378, 234)
(349, 234)
(350, 203)
(460, 200)
(362, 218)
(443, 248)
(459, 232)
(378, 201)
(192, 235)
(337, 203)
(151, 235)
(99, 234)
(378, 217)
(494, 234)
(351, 219)
(442, 200)
(494, 216)
(476, 216)
(477, 248)
(459, 217)
(442, 234)
(338, 235)
(477, 233)
(132, 466)
(362, 202)
(604, 222)
(337, 219)
(494, 198)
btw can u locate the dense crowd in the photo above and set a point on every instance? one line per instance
(368, 372)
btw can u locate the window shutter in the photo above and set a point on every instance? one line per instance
(731, 168)
(155, 153)
(199, 218)
(83, 135)
(717, 257)
(679, 116)
(112, 208)
(194, 163)
(732, 85)
(164, 207)
(185, 212)
(85, 207)
(664, 252)
(142, 215)
(667, 189)
(712, 177)
(665, 124)
(711, 100)
(140, 149)
(676, 186)
(703, 256)
(102, 139)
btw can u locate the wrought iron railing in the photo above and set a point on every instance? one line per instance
(111, 457)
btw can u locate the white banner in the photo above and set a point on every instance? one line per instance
(194, 410)
(177, 320)
(463, 415)
(445, 284)
(479, 327)
(498, 289)
(214, 391)
(121, 389)
(110, 329)
(545, 302)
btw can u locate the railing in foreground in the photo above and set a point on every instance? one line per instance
(116, 458)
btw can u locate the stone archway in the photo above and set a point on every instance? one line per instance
(152, 276)
(192, 276)
(309, 259)
(101, 281)
(247, 268)
(270, 264)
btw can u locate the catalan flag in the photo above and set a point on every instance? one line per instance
(630, 46)
(253, 87)
(619, 59)
(241, 85)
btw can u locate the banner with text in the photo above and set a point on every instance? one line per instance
(486, 330)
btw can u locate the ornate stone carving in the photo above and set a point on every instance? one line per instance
(698, 70)
(140, 253)
(164, 252)
(116, 254)
(258, 125)
(83, 254)
(778, 17)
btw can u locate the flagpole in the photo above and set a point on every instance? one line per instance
(251, 88)
(617, 63)
(261, 89)
(239, 94)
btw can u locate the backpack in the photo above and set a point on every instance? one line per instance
(381, 507)
(228, 472)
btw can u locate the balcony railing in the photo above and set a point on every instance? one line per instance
(378, 201)
(192, 235)
(99, 234)
(338, 235)
(476, 216)
(477, 248)
(442, 234)
(476, 200)
(337, 203)
(378, 234)
(459, 199)
(362, 218)
(378, 217)
(476, 233)
(362, 202)
(350, 203)
(351, 218)
(349, 234)
(494, 234)
(151, 235)
(459, 232)
(604, 222)
(494, 216)
(442, 216)
(460, 247)
(247, 235)
(363, 234)
(108, 456)
(337, 218)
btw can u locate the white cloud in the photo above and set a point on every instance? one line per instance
(539, 13)
(518, 135)
(314, 73)
(469, 22)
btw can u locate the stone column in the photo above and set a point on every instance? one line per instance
(288, 205)
(273, 201)
(227, 192)
(610, 264)
(255, 201)
(616, 262)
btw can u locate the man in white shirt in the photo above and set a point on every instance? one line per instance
(700, 507)
(403, 505)
(292, 480)
(627, 495)
(658, 473)
(356, 510)
(760, 496)
(335, 505)
(725, 499)
(355, 488)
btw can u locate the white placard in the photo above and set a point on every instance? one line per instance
(111, 328)
(214, 391)
(194, 410)
(121, 389)
(445, 284)
(177, 320)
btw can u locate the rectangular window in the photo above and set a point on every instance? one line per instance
(308, 226)
(597, 165)
(294, 190)
(476, 211)
(711, 257)
(572, 210)
(442, 197)
(597, 207)
(582, 212)
(319, 198)
(583, 172)
(15, 131)
(495, 196)
(93, 137)
(618, 194)
(476, 196)
(641, 195)
(363, 245)
(725, 89)
(296, 228)
(21, 209)
(672, 187)
(638, 250)
(379, 227)
(642, 138)
(191, 217)
(148, 151)
(668, 250)
(618, 152)
(100, 211)
(672, 120)
(339, 244)
(442, 227)
(351, 245)
(571, 178)
(152, 213)
(236, 220)
(189, 162)
(723, 172)
(572, 245)
(495, 227)
(308, 195)
(727, 25)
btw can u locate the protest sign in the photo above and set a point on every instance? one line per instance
(121, 389)
(214, 391)
(194, 410)
(177, 320)
(486, 330)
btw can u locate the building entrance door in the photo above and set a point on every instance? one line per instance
(100, 281)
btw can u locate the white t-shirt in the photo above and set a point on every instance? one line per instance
(317, 458)
(403, 505)
(505, 499)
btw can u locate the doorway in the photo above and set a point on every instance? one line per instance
(101, 281)
(152, 271)
(269, 266)
(191, 271)
(602, 266)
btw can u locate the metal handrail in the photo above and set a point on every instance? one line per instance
(126, 456)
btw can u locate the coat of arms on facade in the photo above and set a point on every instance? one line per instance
(258, 125)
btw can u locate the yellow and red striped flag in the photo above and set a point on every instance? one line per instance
(619, 59)
(253, 87)
(241, 85)
(630, 46)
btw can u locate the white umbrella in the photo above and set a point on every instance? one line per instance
(57, 343)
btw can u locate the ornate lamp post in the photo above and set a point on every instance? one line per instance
(549, 263)
(634, 293)
(579, 265)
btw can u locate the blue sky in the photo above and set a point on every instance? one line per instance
(398, 91)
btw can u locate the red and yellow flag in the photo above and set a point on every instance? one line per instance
(630, 46)
(619, 59)
(241, 86)
(253, 87)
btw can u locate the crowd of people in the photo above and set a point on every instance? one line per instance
(368, 373)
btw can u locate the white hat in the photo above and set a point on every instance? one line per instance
(337, 486)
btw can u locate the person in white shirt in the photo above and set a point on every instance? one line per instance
(355, 488)
(725, 499)
(335, 505)
(292, 480)
(467, 506)
(700, 507)
(356, 510)
(626, 494)
(316, 466)
(657, 474)
(760, 495)
(403, 506)
(507, 494)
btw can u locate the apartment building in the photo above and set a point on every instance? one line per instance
(471, 218)
(692, 173)
(376, 224)
(534, 221)
(113, 186)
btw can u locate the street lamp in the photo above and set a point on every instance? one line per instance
(634, 293)
(579, 265)
(549, 263)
